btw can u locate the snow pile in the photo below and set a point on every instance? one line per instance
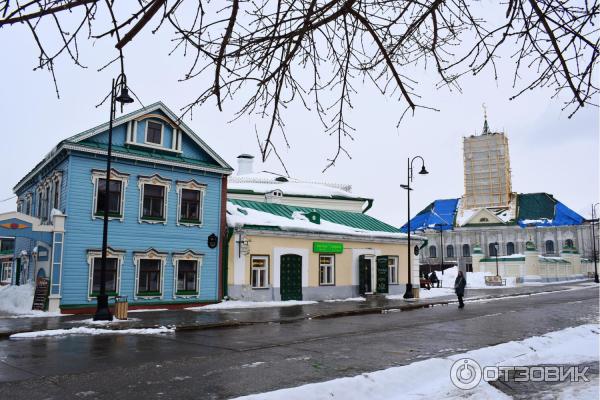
(232, 304)
(475, 280)
(238, 216)
(82, 330)
(16, 299)
(431, 378)
(348, 299)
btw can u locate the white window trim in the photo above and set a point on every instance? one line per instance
(110, 253)
(153, 180)
(150, 254)
(396, 259)
(189, 255)
(332, 264)
(28, 203)
(114, 176)
(190, 185)
(267, 266)
(162, 134)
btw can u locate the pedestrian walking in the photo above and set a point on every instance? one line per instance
(459, 288)
(434, 279)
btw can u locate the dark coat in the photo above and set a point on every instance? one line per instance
(459, 285)
(433, 277)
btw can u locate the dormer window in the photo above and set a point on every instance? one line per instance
(154, 133)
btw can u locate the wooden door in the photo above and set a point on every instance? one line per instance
(291, 277)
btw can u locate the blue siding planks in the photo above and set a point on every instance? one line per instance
(84, 233)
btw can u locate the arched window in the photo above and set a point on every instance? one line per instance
(432, 252)
(492, 249)
(510, 248)
(450, 251)
(569, 243)
(466, 250)
(549, 247)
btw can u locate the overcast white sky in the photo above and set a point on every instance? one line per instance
(549, 152)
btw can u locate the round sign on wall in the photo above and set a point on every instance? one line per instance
(213, 240)
(416, 251)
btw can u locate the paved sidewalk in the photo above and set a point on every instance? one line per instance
(190, 320)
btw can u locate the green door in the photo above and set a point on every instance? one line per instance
(364, 275)
(291, 277)
(382, 274)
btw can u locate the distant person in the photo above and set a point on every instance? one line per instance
(459, 288)
(434, 279)
(425, 282)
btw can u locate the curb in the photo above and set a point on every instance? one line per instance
(334, 314)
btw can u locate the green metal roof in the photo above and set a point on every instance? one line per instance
(536, 206)
(154, 154)
(347, 218)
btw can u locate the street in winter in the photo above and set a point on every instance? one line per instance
(320, 199)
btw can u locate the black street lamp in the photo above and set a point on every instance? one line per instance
(595, 256)
(409, 294)
(496, 247)
(102, 311)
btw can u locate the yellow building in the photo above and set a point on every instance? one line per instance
(293, 240)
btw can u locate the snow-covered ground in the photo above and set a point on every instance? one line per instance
(82, 330)
(232, 304)
(16, 302)
(431, 378)
(348, 299)
(475, 280)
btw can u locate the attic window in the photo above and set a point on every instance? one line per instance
(277, 193)
(154, 133)
(281, 179)
(484, 219)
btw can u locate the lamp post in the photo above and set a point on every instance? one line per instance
(409, 294)
(594, 256)
(102, 310)
(441, 243)
(496, 247)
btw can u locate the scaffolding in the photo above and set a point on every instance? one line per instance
(487, 171)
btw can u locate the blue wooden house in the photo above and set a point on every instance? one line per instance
(168, 194)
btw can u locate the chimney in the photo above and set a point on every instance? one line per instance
(245, 164)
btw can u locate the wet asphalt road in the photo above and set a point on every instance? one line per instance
(223, 363)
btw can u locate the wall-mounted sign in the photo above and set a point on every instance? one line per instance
(328, 247)
(416, 250)
(213, 240)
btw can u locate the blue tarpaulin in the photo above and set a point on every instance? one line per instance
(438, 215)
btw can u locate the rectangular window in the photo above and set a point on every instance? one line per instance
(326, 269)
(56, 203)
(190, 205)
(154, 200)
(111, 275)
(6, 272)
(259, 271)
(154, 133)
(187, 274)
(392, 270)
(114, 205)
(149, 278)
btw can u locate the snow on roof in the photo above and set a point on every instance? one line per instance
(266, 182)
(238, 216)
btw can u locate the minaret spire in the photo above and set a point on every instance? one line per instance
(486, 128)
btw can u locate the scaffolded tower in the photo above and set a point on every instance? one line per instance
(487, 170)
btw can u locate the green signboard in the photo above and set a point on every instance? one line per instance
(328, 247)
